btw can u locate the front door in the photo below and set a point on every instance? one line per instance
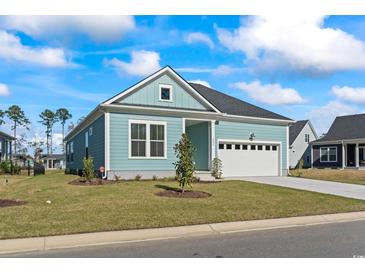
(198, 134)
(351, 155)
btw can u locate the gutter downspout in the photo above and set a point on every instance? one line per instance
(106, 153)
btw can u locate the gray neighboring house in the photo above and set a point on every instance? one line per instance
(5, 146)
(343, 146)
(301, 133)
(53, 161)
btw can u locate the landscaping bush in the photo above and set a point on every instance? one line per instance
(138, 177)
(184, 166)
(217, 168)
(5, 167)
(17, 169)
(88, 171)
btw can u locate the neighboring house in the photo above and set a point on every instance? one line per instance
(301, 133)
(135, 131)
(53, 161)
(344, 144)
(5, 146)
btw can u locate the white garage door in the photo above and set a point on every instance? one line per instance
(248, 159)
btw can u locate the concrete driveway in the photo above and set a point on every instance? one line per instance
(339, 189)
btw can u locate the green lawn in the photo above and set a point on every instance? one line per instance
(349, 176)
(130, 205)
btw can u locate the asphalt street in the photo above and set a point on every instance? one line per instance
(329, 240)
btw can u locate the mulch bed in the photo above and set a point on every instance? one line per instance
(93, 182)
(187, 194)
(4, 202)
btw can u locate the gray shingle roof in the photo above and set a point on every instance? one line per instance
(295, 129)
(346, 127)
(230, 105)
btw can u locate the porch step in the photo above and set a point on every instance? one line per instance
(204, 176)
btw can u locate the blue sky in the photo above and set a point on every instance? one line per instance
(304, 68)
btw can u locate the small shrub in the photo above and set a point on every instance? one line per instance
(88, 171)
(5, 167)
(17, 169)
(138, 177)
(154, 178)
(217, 168)
(67, 171)
(117, 178)
(300, 167)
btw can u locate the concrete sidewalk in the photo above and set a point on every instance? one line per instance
(101, 238)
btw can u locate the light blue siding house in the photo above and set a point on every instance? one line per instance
(135, 131)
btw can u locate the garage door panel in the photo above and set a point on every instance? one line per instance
(241, 162)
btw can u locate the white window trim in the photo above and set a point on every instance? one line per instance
(328, 155)
(161, 86)
(148, 140)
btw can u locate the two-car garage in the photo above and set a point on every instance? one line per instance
(249, 158)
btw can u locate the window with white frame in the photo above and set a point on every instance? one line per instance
(328, 154)
(86, 144)
(157, 140)
(147, 139)
(90, 131)
(138, 140)
(165, 93)
(306, 137)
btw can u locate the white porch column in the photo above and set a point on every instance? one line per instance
(343, 155)
(212, 139)
(357, 155)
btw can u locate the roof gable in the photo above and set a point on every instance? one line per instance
(295, 129)
(146, 93)
(233, 106)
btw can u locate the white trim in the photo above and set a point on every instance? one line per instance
(311, 156)
(148, 140)
(107, 141)
(328, 148)
(183, 112)
(170, 87)
(262, 142)
(287, 148)
(155, 75)
(183, 125)
(357, 162)
(343, 155)
(213, 144)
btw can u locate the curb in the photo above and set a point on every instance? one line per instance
(112, 237)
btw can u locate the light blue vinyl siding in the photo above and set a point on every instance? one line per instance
(96, 145)
(241, 131)
(119, 159)
(149, 95)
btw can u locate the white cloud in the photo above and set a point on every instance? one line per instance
(218, 71)
(299, 43)
(11, 49)
(322, 117)
(4, 90)
(99, 28)
(199, 37)
(272, 94)
(143, 63)
(202, 82)
(350, 94)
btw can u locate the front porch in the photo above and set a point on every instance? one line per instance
(353, 155)
(201, 135)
